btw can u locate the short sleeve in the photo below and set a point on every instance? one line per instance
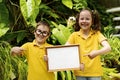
(101, 37)
(71, 39)
(25, 47)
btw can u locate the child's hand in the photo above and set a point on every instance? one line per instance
(82, 66)
(45, 58)
(92, 54)
(16, 50)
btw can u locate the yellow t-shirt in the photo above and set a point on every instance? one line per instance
(92, 42)
(37, 67)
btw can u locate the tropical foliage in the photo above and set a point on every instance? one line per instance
(18, 19)
(11, 67)
(111, 61)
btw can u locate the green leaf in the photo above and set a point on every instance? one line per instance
(24, 10)
(68, 3)
(47, 10)
(61, 33)
(21, 35)
(37, 2)
(56, 25)
(0, 1)
(4, 19)
(30, 5)
(35, 11)
(12, 75)
(30, 10)
(3, 29)
(69, 75)
(115, 75)
(4, 14)
(62, 73)
(9, 36)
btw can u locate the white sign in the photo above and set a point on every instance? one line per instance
(62, 58)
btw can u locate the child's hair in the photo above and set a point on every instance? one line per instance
(42, 23)
(96, 24)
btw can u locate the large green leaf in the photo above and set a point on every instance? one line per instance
(4, 19)
(30, 10)
(37, 2)
(24, 10)
(4, 14)
(30, 5)
(0, 1)
(31, 14)
(61, 33)
(68, 3)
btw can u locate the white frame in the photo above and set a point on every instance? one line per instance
(62, 58)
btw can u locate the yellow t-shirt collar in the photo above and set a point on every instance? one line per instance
(90, 34)
(41, 46)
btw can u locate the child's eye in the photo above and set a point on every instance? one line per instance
(44, 33)
(81, 18)
(87, 18)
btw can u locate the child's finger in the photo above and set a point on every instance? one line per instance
(22, 49)
(82, 66)
(45, 58)
(86, 55)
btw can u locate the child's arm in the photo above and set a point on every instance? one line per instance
(106, 48)
(17, 50)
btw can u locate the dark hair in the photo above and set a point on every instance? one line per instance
(42, 23)
(96, 24)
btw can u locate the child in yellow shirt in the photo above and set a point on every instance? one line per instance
(89, 37)
(34, 52)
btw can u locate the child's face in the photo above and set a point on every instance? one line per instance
(41, 34)
(85, 20)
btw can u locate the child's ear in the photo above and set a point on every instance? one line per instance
(50, 33)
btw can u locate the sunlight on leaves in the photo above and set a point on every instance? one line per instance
(30, 10)
(0, 0)
(68, 3)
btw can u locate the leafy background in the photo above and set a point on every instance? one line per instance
(18, 19)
